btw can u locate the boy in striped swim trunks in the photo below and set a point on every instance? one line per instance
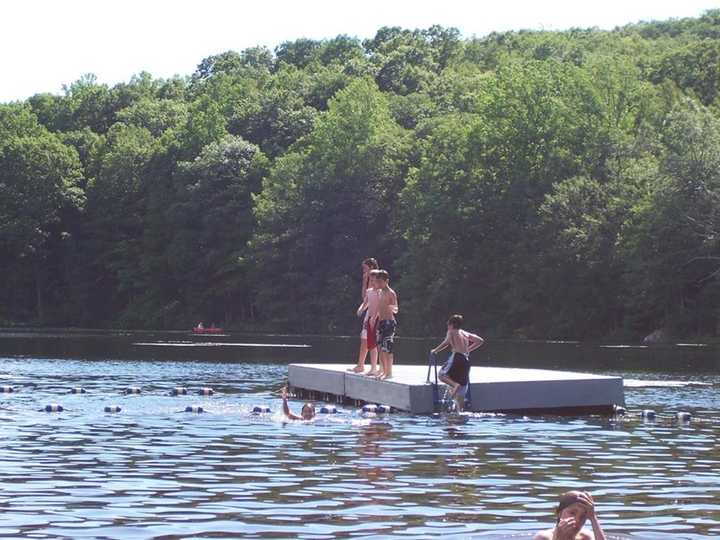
(456, 371)
(387, 323)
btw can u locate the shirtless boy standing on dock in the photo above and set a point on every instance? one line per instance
(387, 309)
(370, 307)
(365, 312)
(456, 371)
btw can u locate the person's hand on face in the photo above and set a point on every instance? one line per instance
(566, 528)
(588, 504)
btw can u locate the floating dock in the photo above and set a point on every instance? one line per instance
(492, 389)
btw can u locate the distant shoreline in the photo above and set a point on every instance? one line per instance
(76, 332)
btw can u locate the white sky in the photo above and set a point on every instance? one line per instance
(47, 43)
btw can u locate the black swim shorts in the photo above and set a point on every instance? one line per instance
(386, 335)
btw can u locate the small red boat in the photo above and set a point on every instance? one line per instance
(207, 330)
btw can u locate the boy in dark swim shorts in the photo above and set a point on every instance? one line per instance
(387, 309)
(386, 335)
(456, 371)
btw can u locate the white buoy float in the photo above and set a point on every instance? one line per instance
(377, 409)
(684, 416)
(328, 409)
(206, 392)
(648, 414)
(113, 408)
(260, 409)
(77, 390)
(53, 407)
(132, 390)
(179, 391)
(6, 389)
(194, 409)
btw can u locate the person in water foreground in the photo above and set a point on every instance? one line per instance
(306, 413)
(574, 509)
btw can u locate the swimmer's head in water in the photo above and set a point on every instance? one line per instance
(571, 506)
(308, 411)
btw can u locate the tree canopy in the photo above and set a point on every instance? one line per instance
(544, 184)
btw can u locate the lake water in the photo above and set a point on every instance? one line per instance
(152, 471)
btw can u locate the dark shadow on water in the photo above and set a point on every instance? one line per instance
(255, 348)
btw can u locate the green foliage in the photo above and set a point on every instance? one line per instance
(39, 178)
(208, 255)
(40, 192)
(228, 62)
(337, 189)
(155, 115)
(115, 218)
(205, 124)
(670, 243)
(545, 184)
(88, 104)
(277, 116)
(443, 208)
(695, 67)
(408, 62)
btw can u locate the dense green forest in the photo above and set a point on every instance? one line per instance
(544, 184)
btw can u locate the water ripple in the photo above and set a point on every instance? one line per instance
(153, 471)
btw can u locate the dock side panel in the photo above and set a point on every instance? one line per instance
(381, 392)
(508, 396)
(317, 379)
(421, 399)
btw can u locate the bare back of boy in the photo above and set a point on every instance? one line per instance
(387, 304)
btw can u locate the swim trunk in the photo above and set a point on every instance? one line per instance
(386, 335)
(363, 318)
(371, 334)
(457, 368)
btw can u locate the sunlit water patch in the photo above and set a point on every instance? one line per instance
(153, 470)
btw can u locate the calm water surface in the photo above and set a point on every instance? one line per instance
(152, 471)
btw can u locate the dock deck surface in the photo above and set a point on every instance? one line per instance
(495, 389)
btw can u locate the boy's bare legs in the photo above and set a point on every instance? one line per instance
(387, 361)
(381, 364)
(373, 363)
(454, 387)
(360, 367)
(459, 401)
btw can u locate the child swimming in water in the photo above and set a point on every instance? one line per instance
(574, 509)
(306, 413)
